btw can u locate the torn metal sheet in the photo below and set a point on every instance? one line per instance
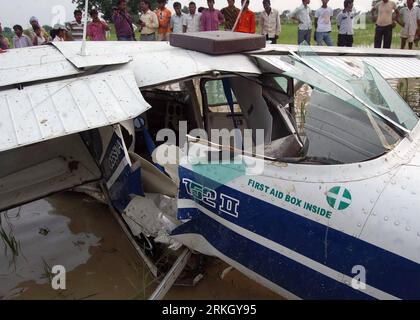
(94, 55)
(50, 110)
(155, 63)
(159, 67)
(34, 64)
(152, 215)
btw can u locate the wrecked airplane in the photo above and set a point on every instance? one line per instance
(328, 184)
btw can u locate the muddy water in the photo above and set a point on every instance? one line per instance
(75, 231)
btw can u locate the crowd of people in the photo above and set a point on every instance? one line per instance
(158, 24)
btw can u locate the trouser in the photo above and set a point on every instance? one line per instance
(163, 37)
(384, 33)
(126, 38)
(304, 35)
(345, 40)
(148, 37)
(324, 37)
(273, 39)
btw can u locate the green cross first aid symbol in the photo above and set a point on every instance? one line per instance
(339, 198)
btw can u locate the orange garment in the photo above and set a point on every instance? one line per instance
(164, 18)
(247, 22)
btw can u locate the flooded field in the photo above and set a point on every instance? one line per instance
(81, 234)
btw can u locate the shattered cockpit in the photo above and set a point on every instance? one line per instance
(347, 118)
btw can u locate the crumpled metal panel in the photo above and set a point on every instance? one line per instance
(95, 55)
(50, 110)
(34, 64)
(154, 62)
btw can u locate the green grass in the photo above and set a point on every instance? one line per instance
(288, 35)
(10, 244)
(362, 37)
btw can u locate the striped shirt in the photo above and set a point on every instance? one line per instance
(76, 30)
(230, 14)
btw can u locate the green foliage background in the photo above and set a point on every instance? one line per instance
(105, 6)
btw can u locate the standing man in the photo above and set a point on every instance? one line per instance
(345, 25)
(4, 42)
(410, 24)
(164, 18)
(384, 22)
(75, 27)
(247, 22)
(30, 32)
(59, 33)
(97, 28)
(39, 38)
(302, 15)
(20, 40)
(123, 22)
(270, 22)
(192, 21)
(323, 24)
(177, 20)
(148, 22)
(230, 14)
(211, 18)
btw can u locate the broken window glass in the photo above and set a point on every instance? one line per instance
(371, 90)
(346, 117)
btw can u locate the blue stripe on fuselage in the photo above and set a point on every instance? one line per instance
(386, 271)
(304, 282)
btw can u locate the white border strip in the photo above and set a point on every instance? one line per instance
(117, 173)
(197, 238)
(293, 255)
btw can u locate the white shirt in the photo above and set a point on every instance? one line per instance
(410, 17)
(58, 39)
(345, 21)
(324, 19)
(270, 24)
(151, 22)
(22, 42)
(303, 14)
(41, 40)
(192, 22)
(177, 22)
